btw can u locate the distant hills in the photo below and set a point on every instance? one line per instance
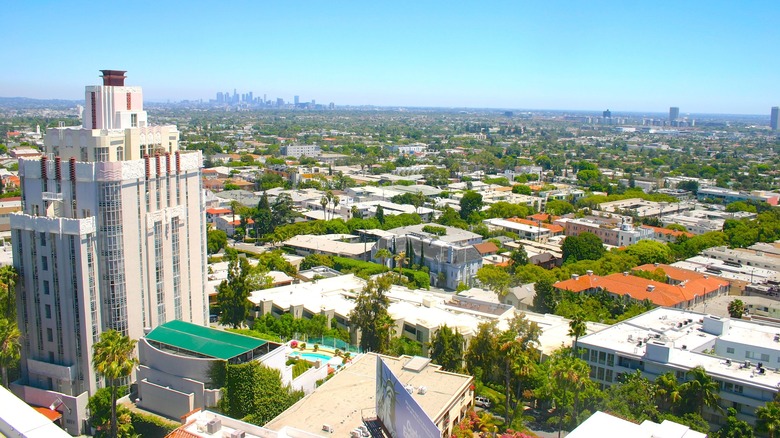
(27, 103)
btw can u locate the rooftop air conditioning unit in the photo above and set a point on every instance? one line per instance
(327, 428)
(237, 434)
(422, 390)
(214, 426)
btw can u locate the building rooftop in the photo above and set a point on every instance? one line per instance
(17, 418)
(454, 235)
(203, 340)
(607, 426)
(342, 401)
(683, 333)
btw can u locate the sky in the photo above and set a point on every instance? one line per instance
(702, 56)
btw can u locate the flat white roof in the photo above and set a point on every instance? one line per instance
(341, 401)
(17, 418)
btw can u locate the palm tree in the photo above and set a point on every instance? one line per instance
(324, 202)
(400, 259)
(10, 346)
(701, 389)
(577, 328)
(768, 418)
(667, 390)
(113, 359)
(335, 201)
(9, 276)
(383, 254)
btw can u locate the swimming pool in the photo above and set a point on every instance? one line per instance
(312, 357)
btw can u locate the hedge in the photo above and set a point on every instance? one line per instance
(153, 426)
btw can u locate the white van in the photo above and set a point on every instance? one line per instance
(482, 402)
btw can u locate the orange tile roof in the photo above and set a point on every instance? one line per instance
(51, 414)
(554, 228)
(182, 433)
(218, 210)
(486, 247)
(667, 231)
(637, 288)
(542, 217)
(680, 274)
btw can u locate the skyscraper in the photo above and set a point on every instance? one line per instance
(674, 114)
(297, 100)
(774, 118)
(111, 236)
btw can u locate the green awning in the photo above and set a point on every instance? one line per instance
(203, 340)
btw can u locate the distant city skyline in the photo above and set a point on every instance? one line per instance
(502, 54)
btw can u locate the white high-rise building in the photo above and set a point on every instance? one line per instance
(111, 236)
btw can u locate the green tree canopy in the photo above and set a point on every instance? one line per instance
(585, 246)
(447, 349)
(370, 315)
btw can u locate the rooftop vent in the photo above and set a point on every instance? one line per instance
(574, 276)
(650, 288)
(214, 426)
(589, 272)
(625, 273)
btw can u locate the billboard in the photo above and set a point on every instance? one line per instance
(398, 410)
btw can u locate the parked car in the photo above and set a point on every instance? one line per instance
(482, 402)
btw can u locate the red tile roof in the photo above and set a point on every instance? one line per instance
(638, 288)
(675, 233)
(486, 248)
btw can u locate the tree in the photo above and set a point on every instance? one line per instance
(701, 390)
(383, 254)
(254, 393)
(282, 211)
(586, 246)
(633, 399)
(518, 258)
(8, 276)
(577, 328)
(521, 189)
(768, 418)
(112, 358)
(471, 202)
(567, 378)
(216, 240)
(546, 297)
(559, 208)
(650, 251)
(10, 346)
(400, 260)
(667, 391)
(263, 217)
(371, 317)
(447, 349)
(482, 352)
(99, 406)
(380, 214)
(736, 308)
(518, 354)
(734, 427)
(233, 294)
(494, 278)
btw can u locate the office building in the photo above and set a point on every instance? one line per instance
(297, 100)
(741, 356)
(111, 236)
(606, 114)
(299, 150)
(774, 118)
(674, 114)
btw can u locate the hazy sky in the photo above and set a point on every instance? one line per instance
(703, 56)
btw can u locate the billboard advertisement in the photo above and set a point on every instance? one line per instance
(398, 410)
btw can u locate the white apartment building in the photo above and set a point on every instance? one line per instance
(743, 357)
(111, 236)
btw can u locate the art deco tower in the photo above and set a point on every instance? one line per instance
(111, 236)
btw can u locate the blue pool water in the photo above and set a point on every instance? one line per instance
(312, 357)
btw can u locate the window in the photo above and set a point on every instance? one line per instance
(43, 239)
(50, 335)
(45, 263)
(133, 120)
(611, 359)
(48, 311)
(46, 290)
(600, 373)
(602, 357)
(608, 376)
(594, 356)
(730, 350)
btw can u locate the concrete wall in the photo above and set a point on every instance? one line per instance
(73, 409)
(164, 400)
(182, 366)
(187, 386)
(307, 381)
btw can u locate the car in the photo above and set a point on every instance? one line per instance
(213, 318)
(482, 402)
